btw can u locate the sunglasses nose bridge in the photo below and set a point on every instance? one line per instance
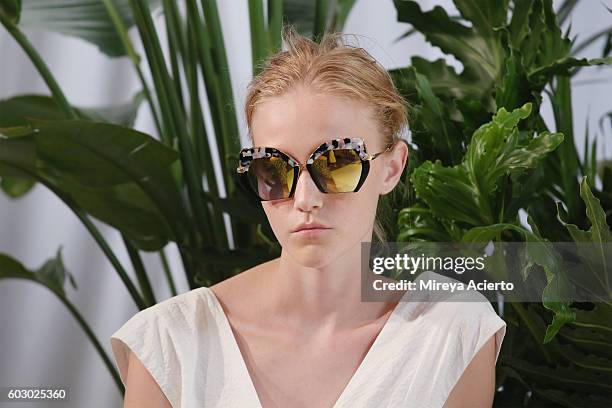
(302, 167)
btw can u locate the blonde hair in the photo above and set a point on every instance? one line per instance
(333, 67)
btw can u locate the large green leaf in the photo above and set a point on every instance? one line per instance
(595, 256)
(85, 19)
(15, 187)
(506, 62)
(52, 274)
(599, 319)
(599, 231)
(569, 378)
(117, 174)
(596, 241)
(514, 89)
(447, 82)
(497, 149)
(571, 400)
(589, 340)
(20, 110)
(564, 66)
(477, 47)
(545, 51)
(433, 182)
(432, 126)
(578, 368)
(10, 9)
(558, 291)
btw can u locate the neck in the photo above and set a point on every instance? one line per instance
(322, 296)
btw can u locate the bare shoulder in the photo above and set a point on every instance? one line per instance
(476, 386)
(141, 388)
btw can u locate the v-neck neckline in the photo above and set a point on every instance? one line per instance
(354, 378)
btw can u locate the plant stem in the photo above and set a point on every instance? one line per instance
(176, 45)
(167, 271)
(40, 65)
(175, 128)
(92, 337)
(217, 234)
(139, 270)
(213, 60)
(176, 116)
(135, 58)
(199, 135)
(231, 140)
(168, 133)
(258, 34)
(140, 303)
(566, 152)
(275, 24)
(190, 267)
(200, 40)
(320, 20)
(97, 236)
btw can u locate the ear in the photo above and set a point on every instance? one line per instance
(395, 162)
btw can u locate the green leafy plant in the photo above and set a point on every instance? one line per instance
(479, 138)
(157, 189)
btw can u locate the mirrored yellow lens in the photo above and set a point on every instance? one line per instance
(271, 177)
(338, 171)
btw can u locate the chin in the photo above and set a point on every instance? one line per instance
(312, 256)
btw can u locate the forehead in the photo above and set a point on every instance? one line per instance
(299, 121)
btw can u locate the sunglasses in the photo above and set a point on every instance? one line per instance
(338, 166)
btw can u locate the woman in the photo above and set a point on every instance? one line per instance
(293, 331)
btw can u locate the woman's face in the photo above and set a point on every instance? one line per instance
(297, 122)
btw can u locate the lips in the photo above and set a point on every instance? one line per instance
(310, 226)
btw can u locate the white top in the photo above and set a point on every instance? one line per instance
(189, 348)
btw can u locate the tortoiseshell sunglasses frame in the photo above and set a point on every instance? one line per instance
(248, 154)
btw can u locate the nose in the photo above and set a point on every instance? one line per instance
(307, 196)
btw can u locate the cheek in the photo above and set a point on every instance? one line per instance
(358, 213)
(278, 217)
(352, 214)
(271, 212)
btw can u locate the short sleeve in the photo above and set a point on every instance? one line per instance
(478, 322)
(490, 325)
(473, 324)
(147, 336)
